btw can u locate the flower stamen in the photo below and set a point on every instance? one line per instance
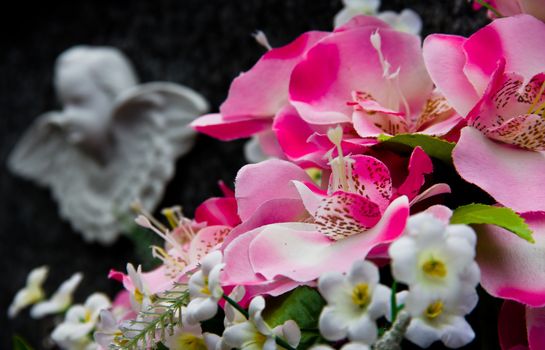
(360, 295)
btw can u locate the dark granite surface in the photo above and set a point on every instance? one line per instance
(202, 44)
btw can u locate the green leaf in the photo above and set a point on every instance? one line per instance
(303, 305)
(433, 146)
(487, 214)
(20, 344)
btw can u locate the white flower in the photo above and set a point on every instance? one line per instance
(60, 300)
(205, 289)
(80, 320)
(139, 293)
(187, 336)
(354, 302)
(31, 293)
(232, 315)
(347, 346)
(107, 329)
(255, 333)
(354, 8)
(406, 21)
(436, 260)
(439, 319)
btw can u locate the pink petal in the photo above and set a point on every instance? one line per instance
(270, 212)
(535, 324)
(259, 183)
(263, 90)
(238, 269)
(433, 190)
(445, 61)
(293, 135)
(503, 38)
(344, 214)
(514, 177)
(301, 253)
(205, 241)
(419, 166)
(218, 211)
(216, 126)
(311, 195)
(512, 326)
(376, 123)
(372, 180)
(346, 62)
(511, 267)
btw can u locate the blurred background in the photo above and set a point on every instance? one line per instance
(201, 44)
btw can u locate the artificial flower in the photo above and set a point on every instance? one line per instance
(31, 293)
(434, 259)
(495, 80)
(354, 302)
(205, 289)
(61, 299)
(186, 336)
(439, 318)
(73, 333)
(255, 333)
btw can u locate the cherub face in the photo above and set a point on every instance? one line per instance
(87, 106)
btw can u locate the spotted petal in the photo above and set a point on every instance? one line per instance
(302, 254)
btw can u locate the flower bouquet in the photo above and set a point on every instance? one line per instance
(399, 174)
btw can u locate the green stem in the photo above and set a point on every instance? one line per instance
(393, 302)
(489, 7)
(236, 306)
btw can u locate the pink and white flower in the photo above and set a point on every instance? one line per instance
(495, 80)
(521, 327)
(515, 7)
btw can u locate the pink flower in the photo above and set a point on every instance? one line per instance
(359, 212)
(219, 210)
(495, 80)
(515, 7)
(257, 95)
(372, 77)
(521, 327)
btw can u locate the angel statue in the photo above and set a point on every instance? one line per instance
(113, 143)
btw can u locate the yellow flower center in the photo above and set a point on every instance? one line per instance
(205, 289)
(433, 310)
(188, 341)
(87, 316)
(138, 296)
(360, 295)
(434, 268)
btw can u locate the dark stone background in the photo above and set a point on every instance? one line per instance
(202, 44)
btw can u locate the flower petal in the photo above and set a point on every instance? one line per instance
(476, 157)
(303, 254)
(216, 126)
(511, 267)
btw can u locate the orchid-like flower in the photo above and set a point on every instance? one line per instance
(434, 259)
(495, 79)
(386, 92)
(439, 318)
(205, 289)
(354, 302)
(61, 299)
(31, 293)
(73, 332)
(256, 333)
